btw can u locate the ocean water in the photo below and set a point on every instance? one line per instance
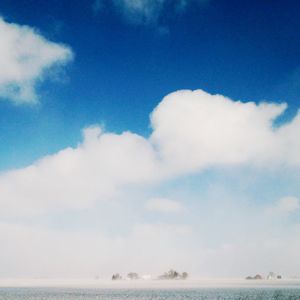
(148, 294)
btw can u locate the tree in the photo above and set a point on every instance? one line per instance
(133, 276)
(184, 275)
(172, 274)
(116, 276)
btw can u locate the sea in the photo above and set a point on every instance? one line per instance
(52, 293)
(81, 289)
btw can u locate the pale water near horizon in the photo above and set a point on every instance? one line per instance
(30, 293)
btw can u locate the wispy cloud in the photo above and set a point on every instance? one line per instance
(25, 56)
(164, 205)
(285, 206)
(145, 12)
(141, 11)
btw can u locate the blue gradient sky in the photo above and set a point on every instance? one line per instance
(246, 50)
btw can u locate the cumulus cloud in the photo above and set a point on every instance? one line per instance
(25, 56)
(192, 131)
(195, 130)
(164, 205)
(77, 178)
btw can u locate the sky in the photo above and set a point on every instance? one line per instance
(144, 135)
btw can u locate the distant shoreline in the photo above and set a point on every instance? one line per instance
(149, 284)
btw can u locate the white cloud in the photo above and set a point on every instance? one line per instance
(25, 55)
(285, 206)
(192, 131)
(163, 205)
(77, 178)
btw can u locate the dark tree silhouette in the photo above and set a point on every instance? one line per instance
(133, 275)
(116, 276)
(172, 274)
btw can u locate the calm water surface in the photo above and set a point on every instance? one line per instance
(147, 294)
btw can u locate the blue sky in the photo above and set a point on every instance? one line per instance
(246, 51)
(95, 150)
